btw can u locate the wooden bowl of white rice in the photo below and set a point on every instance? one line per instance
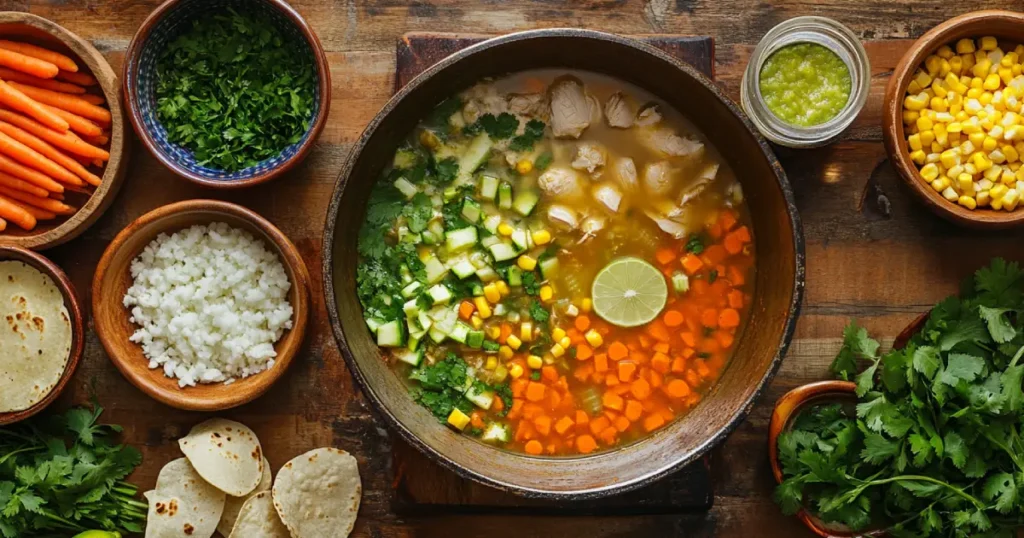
(201, 304)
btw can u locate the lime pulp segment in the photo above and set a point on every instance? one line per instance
(629, 292)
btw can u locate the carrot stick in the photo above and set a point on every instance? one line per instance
(46, 83)
(64, 101)
(56, 196)
(77, 123)
(53, 153)
(48, 204)
(30, 157)
(82, 79)
(91, 98)
(11, 182)
(98, 140)
(23, 172)
(3, 225)
(17, 100)
(45, 55)
(39, 214)
(66, 141)
(27, 64)
(14, 213)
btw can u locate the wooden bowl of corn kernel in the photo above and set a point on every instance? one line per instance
(954, 123)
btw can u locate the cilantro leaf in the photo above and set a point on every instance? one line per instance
(1001, 488)
(998, 326)
(498, 127)
(538, 312)
(533, 132)
(961, 367)
(927, 361)
(999, 284)
(418, 212)
(446, 170)
(877, 448)
(955, 449)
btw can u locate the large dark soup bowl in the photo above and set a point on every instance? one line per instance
(779, 280)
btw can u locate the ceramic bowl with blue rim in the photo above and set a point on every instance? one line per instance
(168, 21)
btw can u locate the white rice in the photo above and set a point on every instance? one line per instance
(211, 302)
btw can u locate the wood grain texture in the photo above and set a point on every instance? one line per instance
(873, 251)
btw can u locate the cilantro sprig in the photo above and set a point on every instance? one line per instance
(934, 445)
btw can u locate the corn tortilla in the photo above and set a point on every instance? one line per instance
(259, 519)
(317, 494)
(183, 505)
(233, 505)
(226, 454)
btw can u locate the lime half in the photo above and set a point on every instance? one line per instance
(629, 292)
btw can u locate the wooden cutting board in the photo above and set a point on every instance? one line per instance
(423, 487)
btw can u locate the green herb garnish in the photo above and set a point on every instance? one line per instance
(695, 244)
(538, 313)
(533, 132)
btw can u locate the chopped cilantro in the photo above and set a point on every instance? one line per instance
(538, 313)
(445, 170)
(439, 116)
(535, 375)
(530, 284)
(695, 244)
(497, 127)
(712, 276)
(418, 212)
(534, 131)
(543, 161)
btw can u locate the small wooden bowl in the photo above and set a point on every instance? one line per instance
(8, 253)
(37, 30)
(793, 402)
(111, 318)
(162, 25)
(1007, 25)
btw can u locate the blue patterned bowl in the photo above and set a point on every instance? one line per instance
(139, 81)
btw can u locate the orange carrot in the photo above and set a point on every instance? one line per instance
(599, 424)
(98, 140)
(11, 75)
(617, 351)
(562, 425)
(677, 388)
(466, 309)
(77, 123)
(626, 371)
(585, 444)
(32, 176)
(729, 318)
(665, 256)
(692, 264)
(548, 373)
(660, 363)
(53, 153)
(506, 331)
(27, 64)
(533, 447)
(601, 362)
(30, 157)
(732, 243)
(634, 410)
(542, 424)
(82, 79)
(582, 323)
(11, 211)
(17, 100)
(640, 389)
(64, 101)
(48, 204)
(673, 318)
(727, 220)
(91, 98)
(653, 422)
(39, 214)
(3, 225)
(64, 140)
(11, 182)
(46, 55)
(584, 352)
(611, 400)
(709, 318)
(535, 391)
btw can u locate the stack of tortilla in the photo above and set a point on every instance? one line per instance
(35, 336)
(224, 484)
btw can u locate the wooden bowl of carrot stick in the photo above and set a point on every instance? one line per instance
(63, 152)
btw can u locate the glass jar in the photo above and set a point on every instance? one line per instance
(821, 31)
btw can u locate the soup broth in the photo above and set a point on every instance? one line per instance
(557, 263)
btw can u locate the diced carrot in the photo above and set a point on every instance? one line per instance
(678, 365)
(585, 444)
(611, 380)
(724, 339)
(673, 318)
(476, 418)
(506, 331)
(554, 399)
(582, 323)
(660, 363)
(617, 351)
(532, 411)
(743, 233)
(601, 362)
(548, 373)
(584, 352)
(599, 424)
(535, 391)
(620, 389)
(709, 318)
(519, 387)
(653, 422)
(633, 410)
(662, 347)
(498, 405)
(658, 331)
(677, 388)
(689, 353)
(581, 373)
(732, 243)
(735, 299)
(699, 286)
(702, 368)
(563, 424)
(581, 417)
(626, 371)
(688, 339)
(517, 409)
(655, 379)
(729, 318)
(542, 424)
(640, 389)
(665, 255)
(608, 435)
(714, 255)
(692, 377)
(727, 219)
(612, 401)
(621, 423)
(709, 346)
(534, 447)
(735, 276)
(715, 231)
(575, 336)
(466, 309)
(692, 264)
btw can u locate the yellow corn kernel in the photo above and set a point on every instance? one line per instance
(558, 334)
(983, 198)
(985, 98)
(940, 89)
(1005, 74)
(996, 203)
(1014, 133)
(938, 104)
(924, 123)
(492, 363)
(534, 362)
(949, 158)
(954, 127)
(505, 229)
(557, 350)
(493, 332)
(505, 352)
(989, 144)
(977, 139)
(915, 102)
(914, 141)
(1019, 174)
(968, 60)
(993, 173)
(526, 263)
(524, 166)
(513, 341)
(546, 293)
(503, 288)
(1009, 59)
(955, 171)
(526, 331)
(965, 182)
(992, 82)
(565, 342)
(981, 69)
(956, 65)
(927, 137)
(491, 293)
(483, 309)
(932, 63)
(516, 371)
(913, 87)
(988, 43)
(910, 116)
(918, 156)
(944, 52)
(585, 304)
(476, 321)
(458, 420)
(541, 237)
(997, 156)
(967, 202)
(1008, 177)
(950, 194)
(964, 46)
(998, 191)
(594, 338)
(940, 184)
(930, 171)
(1010, 200)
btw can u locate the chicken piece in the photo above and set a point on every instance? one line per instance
(563, 217)
(482, 99)
(589, 157)
(665, 142)
(625, 172)
(529, 105)
(619, 112)
(704, 179)
(609, 196)
(590, 227)
(649, 114)
(570, 108)
(558, 182)
(595, 109)
(671, 227)
(659, 178)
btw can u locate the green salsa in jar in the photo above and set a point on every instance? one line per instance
(805, 84)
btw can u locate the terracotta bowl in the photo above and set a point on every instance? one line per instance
(779, 282)
(48, 268)
(111, 318)
(165, 23)
(39, 31)
(1007, 25)
(791, 404)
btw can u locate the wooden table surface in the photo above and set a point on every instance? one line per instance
(872, 252)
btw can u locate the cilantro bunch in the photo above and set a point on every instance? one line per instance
(934, 446)
(235, 90)
(63, 474)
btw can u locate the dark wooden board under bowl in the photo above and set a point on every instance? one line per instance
(422, 487)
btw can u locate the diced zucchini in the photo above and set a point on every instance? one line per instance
(475, 339)
(479, 259)
(460, 332)
(449, 193)
(505, 195)
(405, 273)
(464, 269)
(480, 398)
(521, 238)
(440, 294)
(503, 251)
(486, 274)
(548, 267)
(412, 289)
(414, 343)
(415, 331)
(406, 188)
(436, 227)
(478, 290)
(496, 432)
(436, 335)
(680, 282)
(411, 309)
(474, 157)
(460, 240)
(488, 187)
(490, 240)
(406, 158)
(424, 320)
(515, 276)
(390, 334)
(500, 309)
(491, 223)
(471, 211)
(524, 202)
(374, 323)
(434, 269)
(429, 238)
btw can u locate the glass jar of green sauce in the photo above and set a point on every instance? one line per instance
(806, 82)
